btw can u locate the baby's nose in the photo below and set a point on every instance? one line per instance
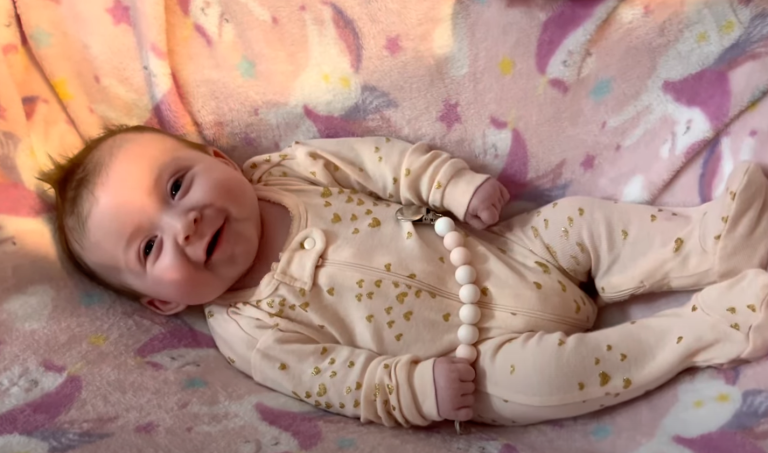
(189, 226)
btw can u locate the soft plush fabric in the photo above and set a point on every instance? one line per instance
(637, 100)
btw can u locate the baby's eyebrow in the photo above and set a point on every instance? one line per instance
(130, 245)
(163, 174)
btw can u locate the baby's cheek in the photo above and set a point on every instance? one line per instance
(182, 283)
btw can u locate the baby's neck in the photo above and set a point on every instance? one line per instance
(275, 227)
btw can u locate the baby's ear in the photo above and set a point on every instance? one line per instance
(219, 155)
(162, 307)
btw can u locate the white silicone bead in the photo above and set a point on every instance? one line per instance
(444, 225)
(469, 314)
(452, 240)
(460, 256)
(466, 351)
(468, 334)
(469, 294)
(465, 274)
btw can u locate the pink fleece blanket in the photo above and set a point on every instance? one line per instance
(638, 100)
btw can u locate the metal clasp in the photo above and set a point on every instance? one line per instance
(417, 214)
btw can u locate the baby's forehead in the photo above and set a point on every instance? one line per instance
(146, 150)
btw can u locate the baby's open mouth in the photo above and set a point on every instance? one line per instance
(212, 245)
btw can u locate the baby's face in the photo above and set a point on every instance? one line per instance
(171, 223)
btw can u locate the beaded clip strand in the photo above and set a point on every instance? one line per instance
(469, 293)
(465, 275)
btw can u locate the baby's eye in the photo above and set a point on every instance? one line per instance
(175, 188)
(148, 247)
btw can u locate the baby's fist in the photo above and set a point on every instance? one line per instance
(486, 203)
(454, 388)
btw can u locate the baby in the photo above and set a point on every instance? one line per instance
(313, 287)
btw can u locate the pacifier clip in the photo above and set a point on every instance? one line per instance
(465, 275)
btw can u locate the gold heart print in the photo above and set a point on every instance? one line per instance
(543, 266)
(336, 218)
(326, 192)
(374, 223)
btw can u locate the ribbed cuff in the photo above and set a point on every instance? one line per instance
(459, 191)
(423, 388)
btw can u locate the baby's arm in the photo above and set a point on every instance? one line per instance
(348, 381)
(345, 380)
(388, 168)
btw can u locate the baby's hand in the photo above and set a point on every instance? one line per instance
(454, 388)
(485, 206)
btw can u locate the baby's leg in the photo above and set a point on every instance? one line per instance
(631, 249)
(539, 376)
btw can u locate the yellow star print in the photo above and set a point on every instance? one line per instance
(62, 91)
(506, 66)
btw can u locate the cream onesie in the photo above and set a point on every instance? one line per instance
(360, 305)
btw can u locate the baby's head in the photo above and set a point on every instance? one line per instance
(163, 220)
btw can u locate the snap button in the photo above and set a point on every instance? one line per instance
(309, 244)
